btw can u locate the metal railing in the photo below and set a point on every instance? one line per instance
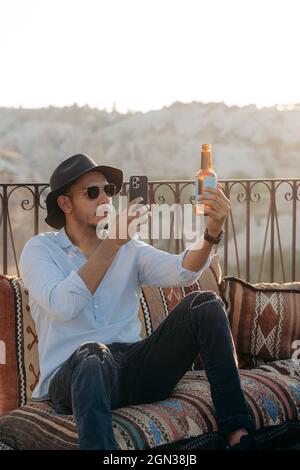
(261, 233)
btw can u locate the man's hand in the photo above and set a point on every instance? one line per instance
(123, 224)
(217, 208)
(93, 271)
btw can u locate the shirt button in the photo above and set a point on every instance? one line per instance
(96, 305)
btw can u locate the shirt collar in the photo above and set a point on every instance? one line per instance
(65, 242)
(63, 239)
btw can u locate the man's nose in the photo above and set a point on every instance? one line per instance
(103, 198)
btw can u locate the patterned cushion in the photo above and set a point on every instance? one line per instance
(264, 318)
(20, 374)
(156, 303)
(5, 447)
(272, 393)
(8, 360)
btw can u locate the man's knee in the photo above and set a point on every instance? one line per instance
(90, 350)
(208, 303)
(198, 298)
(94, 364)
(195, 299)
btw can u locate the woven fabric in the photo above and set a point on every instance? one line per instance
(20, 373)
(5, 447)
(272, 393)
(9, 386)
(264, 318)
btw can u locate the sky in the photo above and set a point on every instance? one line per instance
(145, 54)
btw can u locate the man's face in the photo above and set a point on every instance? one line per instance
(82, 209)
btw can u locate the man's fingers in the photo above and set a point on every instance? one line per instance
(220, 198)
(137, 210)
(216, 191)
(217, 202)
(137, 200)
(215, 214)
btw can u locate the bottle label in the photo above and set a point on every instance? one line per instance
(208, 181)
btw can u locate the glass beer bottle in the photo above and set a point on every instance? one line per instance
(206, 177)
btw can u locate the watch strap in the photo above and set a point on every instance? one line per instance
(214, 240)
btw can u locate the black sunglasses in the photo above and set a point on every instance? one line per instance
(93, 192)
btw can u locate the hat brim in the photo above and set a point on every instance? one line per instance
(55, 216)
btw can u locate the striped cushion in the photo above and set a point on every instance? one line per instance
(272, 393)
(9, 390)
(19, 375)
(264, 318)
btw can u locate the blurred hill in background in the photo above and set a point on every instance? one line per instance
(164, 144)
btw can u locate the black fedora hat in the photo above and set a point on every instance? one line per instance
(67, 172)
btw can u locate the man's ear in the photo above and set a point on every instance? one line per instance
(64, 203)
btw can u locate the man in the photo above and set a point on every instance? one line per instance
(84, 296)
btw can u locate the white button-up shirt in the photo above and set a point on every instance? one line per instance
(67, 314)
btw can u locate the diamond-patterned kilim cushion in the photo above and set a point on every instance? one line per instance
(264, 318)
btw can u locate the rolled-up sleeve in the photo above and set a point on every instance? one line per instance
(63, 297)
(161, 269)
(186, 274)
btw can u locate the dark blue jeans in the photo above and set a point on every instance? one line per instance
(98, 378)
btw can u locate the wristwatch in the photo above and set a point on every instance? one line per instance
(211, 239)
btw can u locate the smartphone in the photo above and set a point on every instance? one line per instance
(138, 187)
